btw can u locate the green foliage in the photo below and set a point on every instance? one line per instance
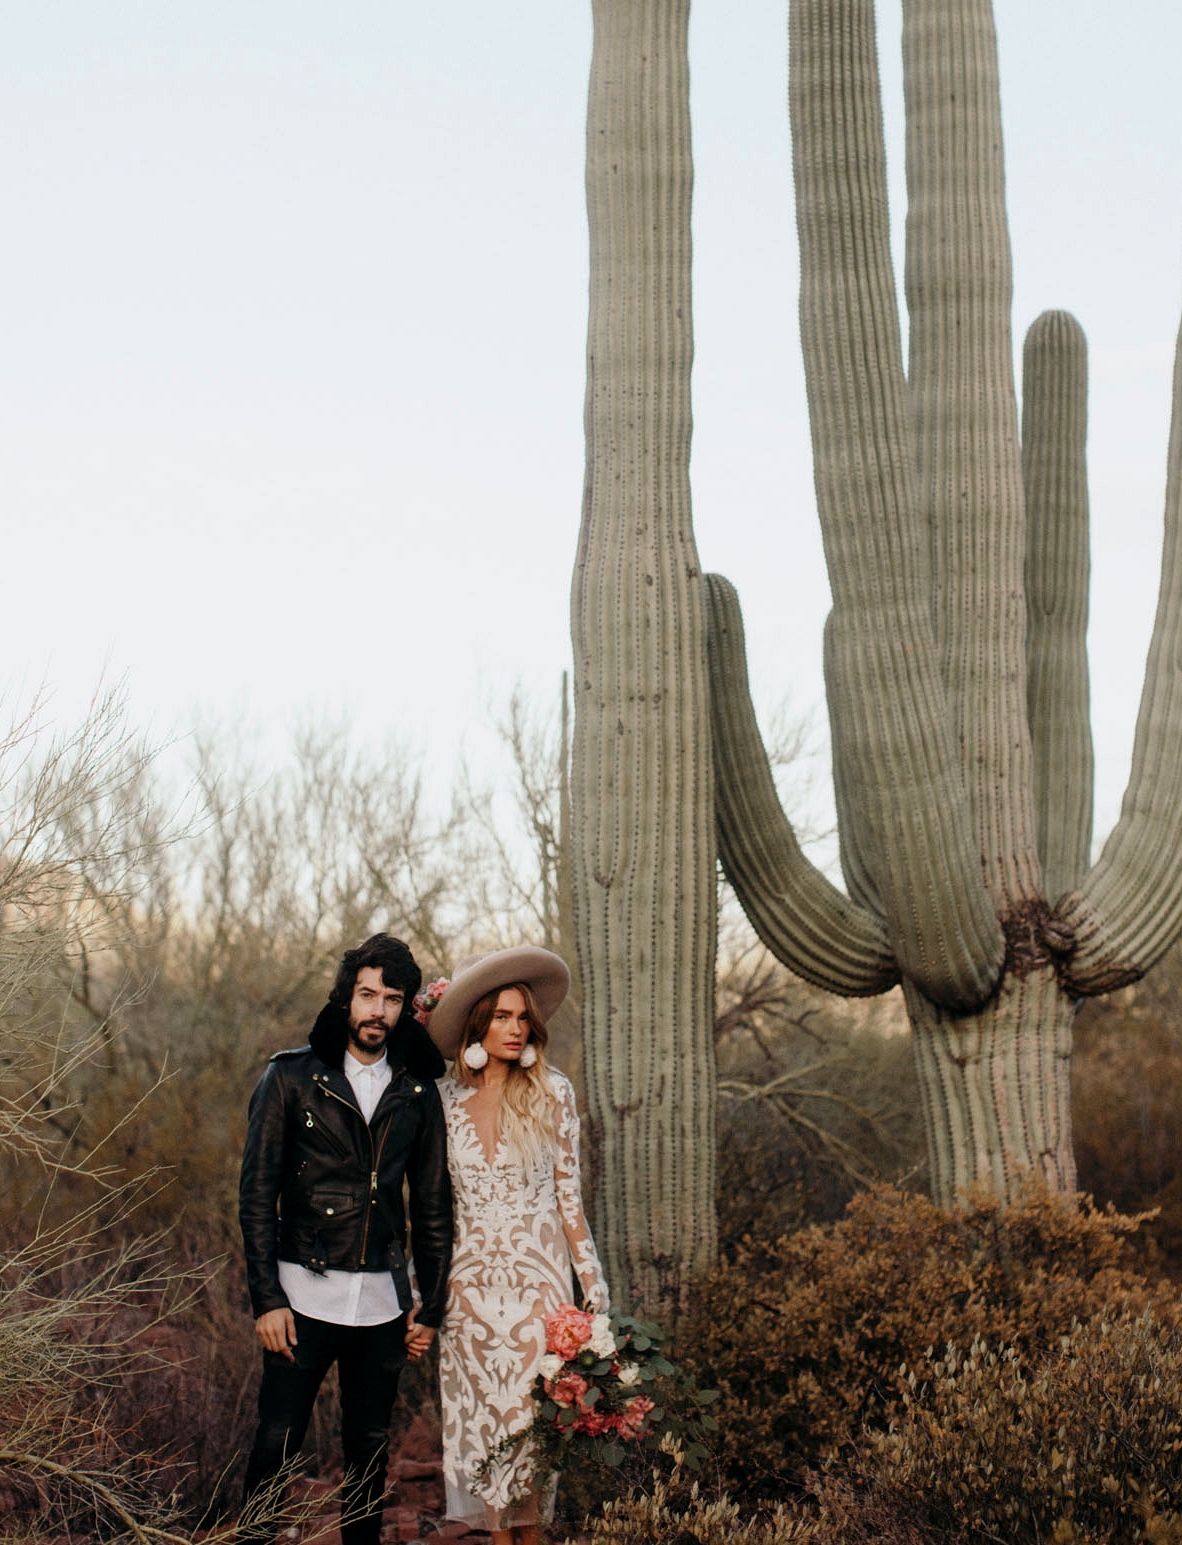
(805, 1337)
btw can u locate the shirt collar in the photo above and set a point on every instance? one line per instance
(354, 1067)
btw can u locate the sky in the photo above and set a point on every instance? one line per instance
(294, 306)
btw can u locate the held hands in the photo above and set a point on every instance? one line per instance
(276, 1330)
(277, 1333)
(418, 1337)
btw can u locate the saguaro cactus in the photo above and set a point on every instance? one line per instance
(955, 666)
(641, 784)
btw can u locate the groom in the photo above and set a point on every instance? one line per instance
(333, 1129)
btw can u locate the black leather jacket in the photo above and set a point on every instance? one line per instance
(324, 1189)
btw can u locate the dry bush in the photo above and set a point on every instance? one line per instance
(816, 1100)
(804, 1337)
(107, 1337)
(1081, 1443)
(675, 1509)
(1125, 1070)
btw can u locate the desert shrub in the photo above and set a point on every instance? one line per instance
(1080, 1443)
(804, 1337)
(1126, 1065)
(669, 1510)
(674, 1511)
(807, 1118)
(817, 1096)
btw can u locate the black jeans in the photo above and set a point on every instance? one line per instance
(369, 1359)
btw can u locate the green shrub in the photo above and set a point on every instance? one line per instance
(805, 1337)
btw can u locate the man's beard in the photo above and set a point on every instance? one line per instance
(356, 1030)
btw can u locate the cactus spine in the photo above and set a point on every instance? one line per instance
(641, 783)
(955, 666)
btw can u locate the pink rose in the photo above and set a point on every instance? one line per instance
(567, 1390)
(595, 1423)
(633, 1415)
(568, 1331)
(426, 1000)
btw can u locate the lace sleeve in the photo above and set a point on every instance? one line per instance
(583, 1255)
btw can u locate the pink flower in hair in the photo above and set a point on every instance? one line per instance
(426, 1000)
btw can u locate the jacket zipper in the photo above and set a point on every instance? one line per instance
(327, 1132)
(375, 1155)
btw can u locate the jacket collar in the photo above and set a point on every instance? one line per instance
(409, 1049)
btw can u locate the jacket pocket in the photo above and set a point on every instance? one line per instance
(334, 1204)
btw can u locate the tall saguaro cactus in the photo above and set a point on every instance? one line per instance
(641, 784)
(955, 665)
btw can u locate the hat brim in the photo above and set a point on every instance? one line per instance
(543, 972)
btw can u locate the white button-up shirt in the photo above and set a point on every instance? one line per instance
(347, 1297)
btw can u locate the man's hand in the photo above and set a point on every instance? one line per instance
(276, 1330)
(418, 1337)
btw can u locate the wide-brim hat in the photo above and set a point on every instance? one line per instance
(543, 972)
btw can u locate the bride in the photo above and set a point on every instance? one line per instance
(520, 1229)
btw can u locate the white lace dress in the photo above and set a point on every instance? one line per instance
(517, 1237)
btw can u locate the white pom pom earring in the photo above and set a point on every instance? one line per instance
(529, 1055)
(475, 1056)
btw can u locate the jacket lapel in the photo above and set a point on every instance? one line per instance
(342, 1088)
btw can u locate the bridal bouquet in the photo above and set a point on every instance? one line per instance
(605, 1386)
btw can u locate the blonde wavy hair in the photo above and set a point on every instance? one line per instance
(527, 1105)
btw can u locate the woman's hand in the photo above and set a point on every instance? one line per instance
(418, 1337)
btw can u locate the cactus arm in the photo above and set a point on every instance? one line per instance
(1054, 467)
(805, 922)
(1128, 910)
(901, 768)
(857, 865)
(643, 872)
(961, 384)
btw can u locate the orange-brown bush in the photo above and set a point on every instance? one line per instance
(1125, 1070)
(804, 1338)
(1075, 1445)
(1081, 1443)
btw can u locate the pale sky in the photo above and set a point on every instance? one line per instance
(294, 310)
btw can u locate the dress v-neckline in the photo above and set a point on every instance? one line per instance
(468, 1117)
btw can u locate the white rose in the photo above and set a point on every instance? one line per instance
(550, 1366)
(602, 1342)
(629, 1373)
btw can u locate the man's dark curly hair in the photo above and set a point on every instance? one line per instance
(398, 967)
